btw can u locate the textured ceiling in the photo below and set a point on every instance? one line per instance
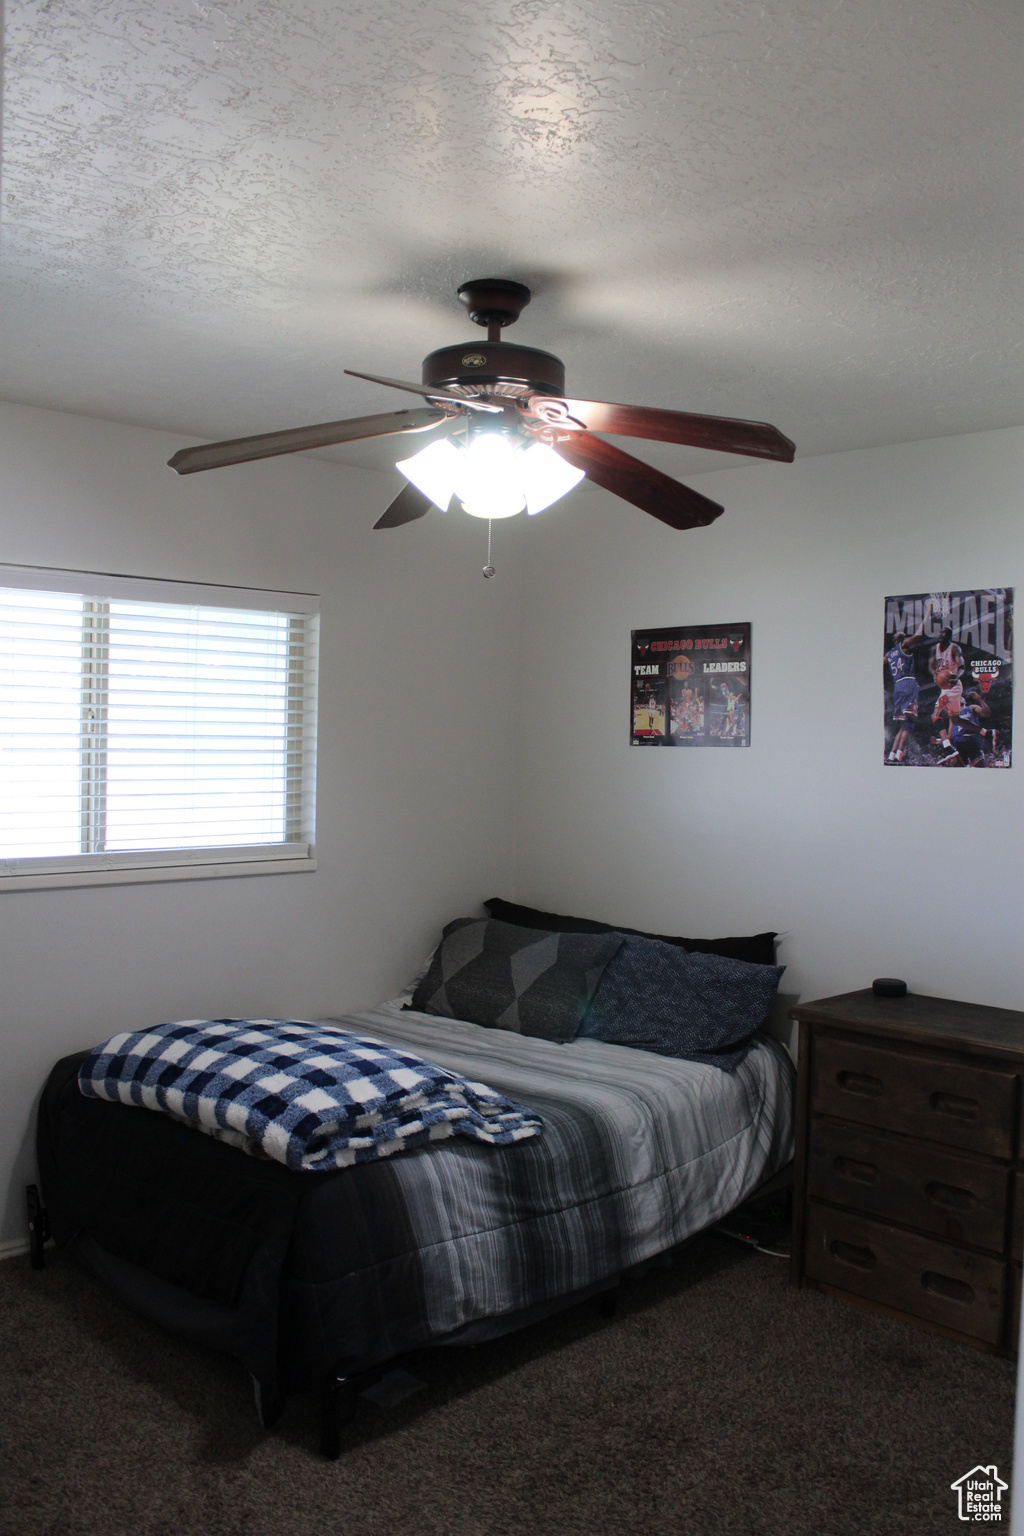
(797, 211)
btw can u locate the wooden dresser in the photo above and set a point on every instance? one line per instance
(909, 1167)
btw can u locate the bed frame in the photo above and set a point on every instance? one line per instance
(339, 1391)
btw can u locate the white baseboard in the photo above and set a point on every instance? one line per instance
(13, 1249)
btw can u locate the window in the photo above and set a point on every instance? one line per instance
(152, 730)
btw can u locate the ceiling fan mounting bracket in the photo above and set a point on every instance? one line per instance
(494, 301)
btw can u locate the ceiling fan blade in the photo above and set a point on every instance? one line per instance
(642, 484)
(424, 389)
(755, 438)
(296, 439)
(408, 505)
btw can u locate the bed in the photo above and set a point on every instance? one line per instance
(315, 1280)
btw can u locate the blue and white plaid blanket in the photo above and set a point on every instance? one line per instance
(311, 1096)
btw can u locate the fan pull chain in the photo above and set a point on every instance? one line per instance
(488, 568)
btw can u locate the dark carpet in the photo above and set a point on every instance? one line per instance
(717, 1401)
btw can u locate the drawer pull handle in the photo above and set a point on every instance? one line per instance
(861, 1173)
(953, 1104)
(952, 1198)
(849, 1253)
(948, 1288)
(862, 1083)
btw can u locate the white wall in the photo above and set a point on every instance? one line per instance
(867, 870)
(418, 662)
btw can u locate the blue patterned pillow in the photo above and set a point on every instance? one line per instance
(657, 997)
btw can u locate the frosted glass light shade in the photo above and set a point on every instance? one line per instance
(433, 471)
(545, 477)
(493, 477)
(487, 481)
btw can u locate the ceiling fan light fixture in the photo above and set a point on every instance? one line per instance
(545, 477)
(492, 477)
(497, 502)
(433, 471)
(488, 479)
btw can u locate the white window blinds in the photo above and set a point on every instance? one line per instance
(147, 724)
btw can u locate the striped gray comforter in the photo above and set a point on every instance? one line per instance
(638, 1152)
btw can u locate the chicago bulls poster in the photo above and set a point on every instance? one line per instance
(948, 677)
(690, 687)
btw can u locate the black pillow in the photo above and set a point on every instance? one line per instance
(757, 949)
(503, 976)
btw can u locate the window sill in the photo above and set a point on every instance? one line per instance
(161, 865)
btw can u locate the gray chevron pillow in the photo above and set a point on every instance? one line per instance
(520, 979)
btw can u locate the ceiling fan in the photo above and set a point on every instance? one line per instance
(512, 437)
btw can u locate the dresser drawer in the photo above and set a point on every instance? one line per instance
(953, 1196)
(918, 1275)
(952, 1102)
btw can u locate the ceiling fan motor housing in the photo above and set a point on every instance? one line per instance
(473, 365)
(493, 365)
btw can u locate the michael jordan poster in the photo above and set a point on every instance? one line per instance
(948, 670)
(690, 687)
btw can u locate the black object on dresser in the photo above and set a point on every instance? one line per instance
(908, 1190)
